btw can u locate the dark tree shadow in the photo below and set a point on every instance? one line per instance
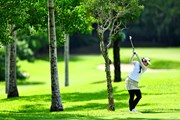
(29, 83)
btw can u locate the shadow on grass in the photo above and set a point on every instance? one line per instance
(154, 112)
(99, 82)
(31, 99)
(130, 118)
(36, 100)
(29, 83)
(47, 116)
(160, 93)
(60, 58)
(88, 96)
(63, 116)
(35, 107)
(77, 97)
(88, 106)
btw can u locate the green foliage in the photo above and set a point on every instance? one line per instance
(126, 11)
(23, 51)
(113, 16)
(26, 17)
(35, 40)
(21, 14)
(72, 16)
(21, 75)
(37, 14)
(120, 36)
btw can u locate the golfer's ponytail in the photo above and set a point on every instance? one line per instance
(140, 68)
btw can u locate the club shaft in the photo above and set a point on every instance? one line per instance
(132, 44)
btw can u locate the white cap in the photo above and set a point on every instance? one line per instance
(147, 60)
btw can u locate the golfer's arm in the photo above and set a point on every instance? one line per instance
(140, 61)
(131, 60)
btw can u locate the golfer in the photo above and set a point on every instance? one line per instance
(132, 80)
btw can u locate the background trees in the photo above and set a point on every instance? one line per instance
(11, 22)
(16, 16)
(158, 24)
(23, 22)
(72, 16)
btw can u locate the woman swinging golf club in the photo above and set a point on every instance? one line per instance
(132, 80)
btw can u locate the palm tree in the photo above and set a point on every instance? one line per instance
(56, 102)
(12, 88)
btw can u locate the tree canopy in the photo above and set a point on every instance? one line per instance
(21, 14)
(73, 16)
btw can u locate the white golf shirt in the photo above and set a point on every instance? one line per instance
(134, 74)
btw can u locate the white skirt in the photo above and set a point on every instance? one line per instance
(131, 84)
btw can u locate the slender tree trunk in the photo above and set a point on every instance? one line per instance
(66, 58)
(13, 91)
(117, 67)
(7, 58)
(56, 102)
(104, 51)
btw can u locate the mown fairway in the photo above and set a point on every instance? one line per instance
(86, 97)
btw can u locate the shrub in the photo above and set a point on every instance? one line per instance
(19, 74)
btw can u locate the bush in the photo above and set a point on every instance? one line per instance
(19, 74)
(24, 52)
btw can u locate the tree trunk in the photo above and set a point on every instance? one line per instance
(7, 58)
(117, 67)
(13, 91)
(66, 58)
(56, 102)
(104, 51)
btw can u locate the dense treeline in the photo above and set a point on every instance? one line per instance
(158, 26)
(159, 23)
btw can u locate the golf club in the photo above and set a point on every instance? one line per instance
(130, 38)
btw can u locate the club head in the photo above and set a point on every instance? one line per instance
(130, 37)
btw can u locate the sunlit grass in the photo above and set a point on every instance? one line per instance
(86, 97)
(160, 57)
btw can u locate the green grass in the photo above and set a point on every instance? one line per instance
(160, 57)
(86, 97)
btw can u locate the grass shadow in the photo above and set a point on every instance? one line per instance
(34, 101)
(32, 98)
(37, 107)
(76, 96)
(47, 116)
(99, 82)
(87, 96)
(88, 106)
(29, 83)
(131, 118)
(121, 96)
(60, 58)
(157, 111)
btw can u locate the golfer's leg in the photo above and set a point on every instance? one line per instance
(131, 99)
(138, 97)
